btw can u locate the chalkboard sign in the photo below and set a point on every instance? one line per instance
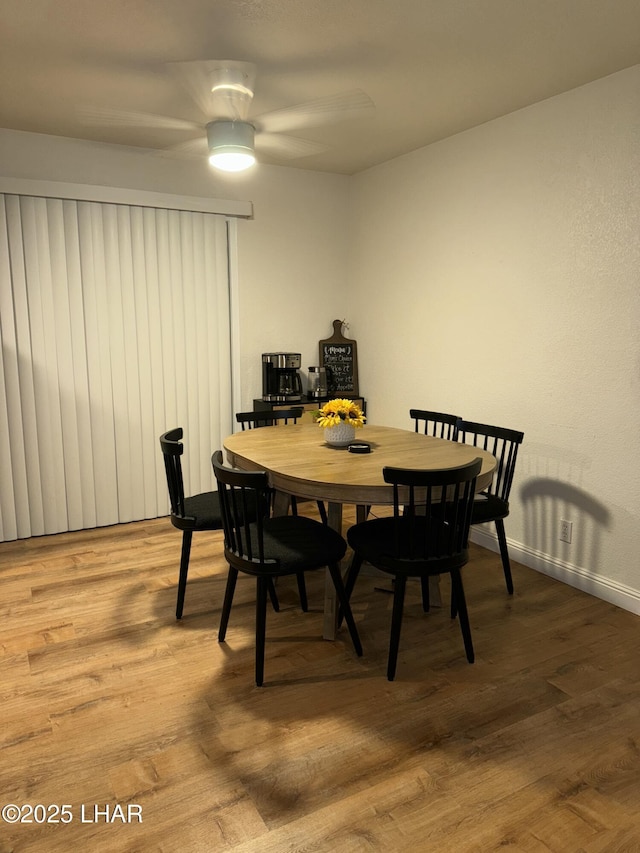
(340, 356)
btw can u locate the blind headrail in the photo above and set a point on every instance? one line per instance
(122, 195)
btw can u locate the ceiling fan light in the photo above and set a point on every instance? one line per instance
(231, 145)
(232, 161)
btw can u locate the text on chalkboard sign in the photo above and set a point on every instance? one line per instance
(338, 358)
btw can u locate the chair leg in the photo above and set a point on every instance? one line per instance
(352, 575)
(323, 512)
(456, 582)
(426, 602)
(362, 512)
(504, 553)
(302, 592)
(273, 595)
(345, 607)
(321, 509)
(396, 624)
(184, 569)
(232, 577)
(261, 626)
(350, 582)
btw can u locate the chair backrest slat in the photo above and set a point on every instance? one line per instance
(438, 424)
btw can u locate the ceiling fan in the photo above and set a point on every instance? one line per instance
(223, 90)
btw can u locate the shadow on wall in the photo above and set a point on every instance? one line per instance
(546, 502)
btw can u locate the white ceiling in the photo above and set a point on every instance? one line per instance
(432, 67)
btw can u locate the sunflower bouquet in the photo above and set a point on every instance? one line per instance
(337, 412)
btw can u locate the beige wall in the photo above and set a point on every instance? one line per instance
(494, 274)
(501, 271)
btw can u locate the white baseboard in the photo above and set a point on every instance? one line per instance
(615, 593)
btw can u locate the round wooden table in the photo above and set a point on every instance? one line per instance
(299, 462)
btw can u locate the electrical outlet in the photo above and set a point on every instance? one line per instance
(566, 529)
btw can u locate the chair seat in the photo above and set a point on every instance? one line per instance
(375, 541)
(488, 508)
(205, 509)
(299, 544)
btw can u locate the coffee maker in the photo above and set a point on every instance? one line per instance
(281, 381)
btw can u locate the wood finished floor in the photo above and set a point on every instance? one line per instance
(106, 700)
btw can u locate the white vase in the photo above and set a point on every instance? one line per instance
(340, 435)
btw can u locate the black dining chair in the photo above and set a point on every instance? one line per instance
(271, 547)
(261, 418)
(427, 535)
(198, 512)
(438, 424)
(268, 417)
(492, 504)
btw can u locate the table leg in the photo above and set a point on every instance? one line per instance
(330, 624)
(281, 503)
(334, 518)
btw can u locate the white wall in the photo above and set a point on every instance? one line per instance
(292, 255)
(500, 270)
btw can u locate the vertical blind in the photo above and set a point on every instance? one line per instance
(114, 326)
